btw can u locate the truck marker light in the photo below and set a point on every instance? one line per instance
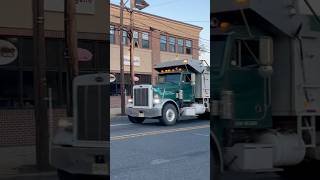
(224, 26)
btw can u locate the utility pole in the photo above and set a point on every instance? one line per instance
(122, 60)
(131, 45)
(71, 50)
(40, 87)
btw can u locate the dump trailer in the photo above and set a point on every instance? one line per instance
(80, 146)
(183, 89)
(265, 85)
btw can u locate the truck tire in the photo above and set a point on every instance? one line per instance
(215, 159)
(205, 116)
(64, 175)
(169, 115)
(136, 120)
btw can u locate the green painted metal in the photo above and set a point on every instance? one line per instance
(168, 90)
(251, 109)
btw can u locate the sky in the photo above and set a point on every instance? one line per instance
(196, 12)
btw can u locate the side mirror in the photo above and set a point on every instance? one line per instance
(193, 79)
(266, 51)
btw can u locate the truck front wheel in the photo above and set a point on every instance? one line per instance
(169, 115)
(136, 120)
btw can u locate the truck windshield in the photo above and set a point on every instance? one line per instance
(172, 78)
(218, 44)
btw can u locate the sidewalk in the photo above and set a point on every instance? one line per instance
(19, 161)
(115, 112)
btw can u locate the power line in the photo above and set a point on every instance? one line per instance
(164, 3)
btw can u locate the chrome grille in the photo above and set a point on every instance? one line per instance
(92, 116)
(140, 96)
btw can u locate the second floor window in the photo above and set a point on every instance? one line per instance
(112, 35)
(172, 44)
(145, 40)
(125, 38)
(188, 47)
(136, 38)
(180, 46)
(163, 43)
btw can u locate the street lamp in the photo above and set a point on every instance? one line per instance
(138, 4)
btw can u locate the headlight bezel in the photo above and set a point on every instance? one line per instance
(156, 99)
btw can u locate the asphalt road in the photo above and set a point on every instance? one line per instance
(152, 151)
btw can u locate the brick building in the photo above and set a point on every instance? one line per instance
(156, 39)
(17, 126)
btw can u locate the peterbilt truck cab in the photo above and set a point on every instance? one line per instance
(264, 71)
(183, 89)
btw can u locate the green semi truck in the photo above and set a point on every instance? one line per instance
(265, 93)
(183, 89)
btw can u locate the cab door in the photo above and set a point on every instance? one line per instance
(186, 87)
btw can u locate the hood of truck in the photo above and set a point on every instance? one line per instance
(166, 90)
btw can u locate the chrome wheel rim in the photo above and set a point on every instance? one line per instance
(170, 115)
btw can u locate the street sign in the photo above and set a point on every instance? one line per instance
(82, 6)
(136, 78)
(112, 78)
(8, 52)
(84, 54)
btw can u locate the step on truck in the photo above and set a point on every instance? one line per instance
(265, 95)
(80, 146)
(182, 89)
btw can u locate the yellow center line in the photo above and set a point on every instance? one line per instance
(129, 136)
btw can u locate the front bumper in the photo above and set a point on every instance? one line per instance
(141, 112)
(81, 160)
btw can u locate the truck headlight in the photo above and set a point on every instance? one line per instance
(156, 99)
(130, 100)
(65, 123)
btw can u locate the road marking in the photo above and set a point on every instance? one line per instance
(159, 161)
(129, 136)
(199, 134)
(113, 125)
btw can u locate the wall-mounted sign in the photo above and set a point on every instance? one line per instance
(82, 6)
(136, 78)
(136, 61)
(112, 78)
(84, 55)
(8, 52)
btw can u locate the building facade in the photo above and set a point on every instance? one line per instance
(17, 126)
(156, 39)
